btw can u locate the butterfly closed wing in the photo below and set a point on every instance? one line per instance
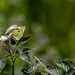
(17, 32)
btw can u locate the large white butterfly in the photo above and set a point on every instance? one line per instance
(17, 32)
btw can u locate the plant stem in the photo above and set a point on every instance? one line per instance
(12, 67)
(11, 53)
(43, 66)
(7, 44)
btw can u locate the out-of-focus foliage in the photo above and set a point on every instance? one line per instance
(50, 22)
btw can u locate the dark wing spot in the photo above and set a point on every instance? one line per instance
(18, 30)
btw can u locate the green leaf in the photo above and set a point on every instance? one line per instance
(64, 66)
(25, 72)
(42, 70)
(23, 40)
(31, 69)
(2, 64)
(27, 49)
(34, 66)
(70, 72)
(55, 70)
(70, 62)
(10, 57)
(15, 56)
(2, 73)
(25, 56)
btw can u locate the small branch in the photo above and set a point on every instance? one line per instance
(43, 65)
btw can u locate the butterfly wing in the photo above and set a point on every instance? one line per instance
(10, 28)
(18, 33)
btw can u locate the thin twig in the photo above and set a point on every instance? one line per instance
(43, 65)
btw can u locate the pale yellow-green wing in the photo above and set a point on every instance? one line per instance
(10, 28)
(18, 33)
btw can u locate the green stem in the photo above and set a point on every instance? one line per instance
(12, 67)
(7, 44)
(11, 53)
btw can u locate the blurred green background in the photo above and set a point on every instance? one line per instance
(50, 22)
